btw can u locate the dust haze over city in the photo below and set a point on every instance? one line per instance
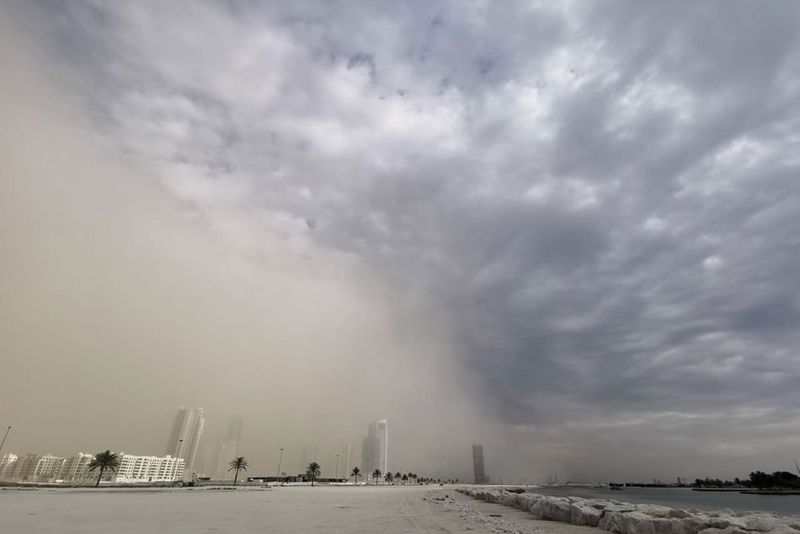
(566, 231)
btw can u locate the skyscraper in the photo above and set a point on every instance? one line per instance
(375, 448)
(185, 436)
(348, 459)
(229, 448)
(477, 463)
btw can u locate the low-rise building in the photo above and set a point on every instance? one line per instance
(75, 468)
(47, 468)
(148, 469)
(8, 466)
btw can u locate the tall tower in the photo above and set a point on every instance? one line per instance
(375, 448)
(382, 430)
(229, 447)
(348, 459)
(477, 463)
(188, 427)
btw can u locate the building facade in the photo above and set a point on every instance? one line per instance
(75, 468)
(8, 466)
(47, 468)
(134, 469)
(184, 439)
(228, 448)
(375, 448)
(477, 464)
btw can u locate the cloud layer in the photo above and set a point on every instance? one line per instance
(599, 201)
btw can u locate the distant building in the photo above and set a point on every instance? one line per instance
(148, 469)
(27, 467)
(8, 466)
(75, 468)
(348, 459)
(228, 448)
(47, 468)
(375, 448)
(185, 436)
(477, 464)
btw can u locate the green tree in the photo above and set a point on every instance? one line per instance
(376, 475)
(404, 478)
(356, 474)
(239, 464)
(103, 461)
(388, 478)
(313, 471)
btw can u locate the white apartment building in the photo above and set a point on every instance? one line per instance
(75, 468)
(148, 469)
(8, 465)
(47, 468)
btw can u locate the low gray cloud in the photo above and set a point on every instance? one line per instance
(599, 200)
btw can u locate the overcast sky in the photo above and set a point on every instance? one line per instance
(582, 216)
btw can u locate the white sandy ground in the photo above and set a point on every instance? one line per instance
(387, 510)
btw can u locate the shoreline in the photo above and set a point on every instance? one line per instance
(628, 518)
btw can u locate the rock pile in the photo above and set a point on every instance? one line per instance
(625, 518)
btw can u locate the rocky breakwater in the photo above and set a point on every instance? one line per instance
(626, 518)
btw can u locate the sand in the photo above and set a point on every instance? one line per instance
(352, 510)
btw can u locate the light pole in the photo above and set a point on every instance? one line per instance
(280, 458)
(337, 466)
(4, 438)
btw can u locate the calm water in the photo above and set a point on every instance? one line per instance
(686, 498)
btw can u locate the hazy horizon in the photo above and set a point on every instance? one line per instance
(565, 231)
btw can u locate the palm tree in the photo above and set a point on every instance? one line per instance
(313, 471)
(376, 475)
(404, 478)
(103, 461)
(356, 474)
(388, 478)
(239, 464)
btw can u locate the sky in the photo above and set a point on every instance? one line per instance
(566, 230)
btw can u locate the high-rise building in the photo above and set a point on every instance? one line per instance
(185, 436)
(477, 463)
(375, 448)
(228, 448)
(348, 459)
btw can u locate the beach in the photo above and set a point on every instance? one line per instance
(248, 510)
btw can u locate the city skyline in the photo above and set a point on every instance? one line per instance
(564, 230)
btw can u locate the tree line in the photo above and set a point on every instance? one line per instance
(758, 480)
(108, 461)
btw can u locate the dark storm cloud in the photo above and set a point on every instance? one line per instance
(602, 198)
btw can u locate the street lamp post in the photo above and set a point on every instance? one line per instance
(280, 458)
